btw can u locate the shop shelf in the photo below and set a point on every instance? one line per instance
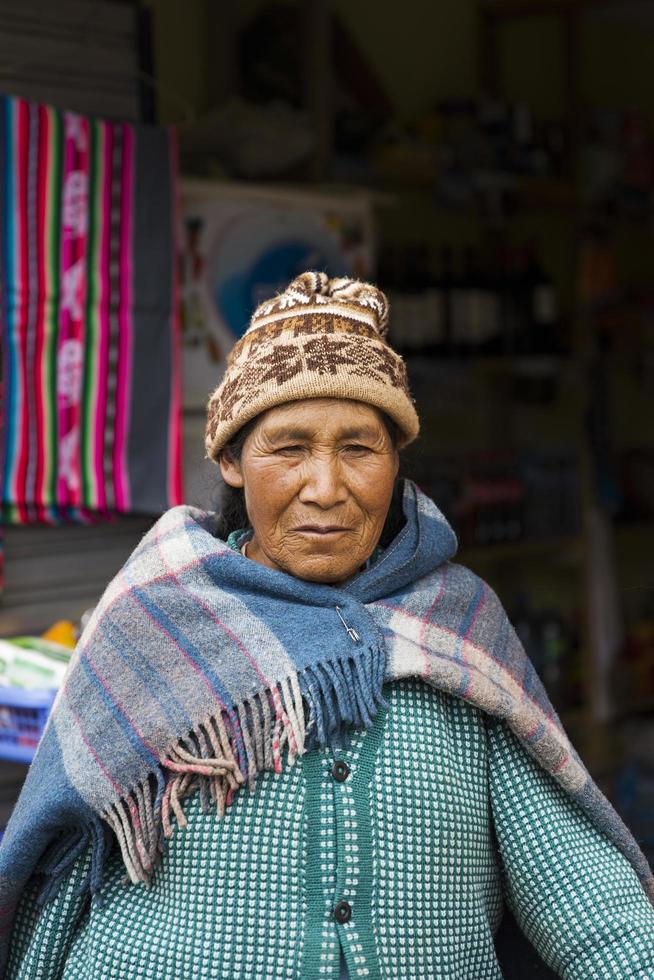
(568, 547)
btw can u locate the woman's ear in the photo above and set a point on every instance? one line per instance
(231, 470)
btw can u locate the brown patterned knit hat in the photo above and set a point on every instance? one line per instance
(320, 338)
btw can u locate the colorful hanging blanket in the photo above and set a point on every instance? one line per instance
(201, 668)
(90, 340)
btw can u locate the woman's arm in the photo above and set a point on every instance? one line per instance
(573, 893)
(42, 935)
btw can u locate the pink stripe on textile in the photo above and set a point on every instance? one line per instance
(113, 697)
(198, 600)
(169, 635)
(104, 326)
(125, 327)
(70, 347)
(66, 261)
(42, 435)
(105, 772)
(426, 620)
(175, 472)
(19, 326)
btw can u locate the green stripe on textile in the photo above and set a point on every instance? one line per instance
(93, 293)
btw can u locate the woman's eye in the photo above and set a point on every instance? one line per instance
(289, 450)
(358, 449)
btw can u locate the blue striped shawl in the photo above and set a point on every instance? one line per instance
(200, 668)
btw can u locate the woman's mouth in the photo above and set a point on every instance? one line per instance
(322, 530)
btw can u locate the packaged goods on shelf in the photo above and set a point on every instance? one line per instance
(32, 663)
(31, 671)
(500, 496)
(23, 716)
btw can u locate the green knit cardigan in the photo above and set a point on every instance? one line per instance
(437, 818)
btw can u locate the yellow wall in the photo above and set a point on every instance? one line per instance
(180, 58)
(420, 50)
(425, 50)
(429, 53)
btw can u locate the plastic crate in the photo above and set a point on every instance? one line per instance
(23, 715)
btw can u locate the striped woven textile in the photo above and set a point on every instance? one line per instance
(200, 669)
(90, 334)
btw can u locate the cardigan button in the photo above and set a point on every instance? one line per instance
(340, 771)
(343, 912)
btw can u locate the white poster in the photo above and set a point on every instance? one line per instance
(240, 244)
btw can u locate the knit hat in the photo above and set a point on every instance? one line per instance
(320, 338)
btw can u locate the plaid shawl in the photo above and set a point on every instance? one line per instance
(200, 668)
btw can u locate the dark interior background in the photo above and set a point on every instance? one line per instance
(508, 148)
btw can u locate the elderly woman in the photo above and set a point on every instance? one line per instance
(297, 740)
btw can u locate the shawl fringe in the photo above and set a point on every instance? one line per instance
(224, 752)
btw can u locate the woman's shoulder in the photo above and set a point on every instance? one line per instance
(414, 700)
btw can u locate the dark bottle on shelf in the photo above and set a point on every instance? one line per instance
(401, 299)
(544, 304)
(459, 292)
(405, 299)
(517, 310)
(484, 308)
(496, 285)
(446, 284)
(554, 646)
(414, 277)
(422, 323)
(388, 271)
(435, 315)
(472, 313)
(509, 312)
(522, 619)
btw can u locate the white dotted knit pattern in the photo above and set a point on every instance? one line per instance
(350, 873)
(573, 893)
(42, 938)
(436, 880)
(329, 939)
(407, 838)
(227, 902)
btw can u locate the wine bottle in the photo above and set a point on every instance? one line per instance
(544, 305)
(434, 313)
(459, 310)
(446, 285)
(484, 307)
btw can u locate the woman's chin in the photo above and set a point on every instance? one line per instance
(314, 561)
(324, 570)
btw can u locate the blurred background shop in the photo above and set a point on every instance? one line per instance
(489, 164)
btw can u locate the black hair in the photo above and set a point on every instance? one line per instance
(232, 513)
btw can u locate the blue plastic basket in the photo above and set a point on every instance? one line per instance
(23, 715)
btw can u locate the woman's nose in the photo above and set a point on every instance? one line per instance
(322, 483)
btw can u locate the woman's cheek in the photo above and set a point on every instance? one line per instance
(373, 482)
(274, 476)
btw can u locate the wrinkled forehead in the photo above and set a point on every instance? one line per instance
(326, 417)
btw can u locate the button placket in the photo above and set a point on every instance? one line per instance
(342, 911)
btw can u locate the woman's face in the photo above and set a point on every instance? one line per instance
(318, 478)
